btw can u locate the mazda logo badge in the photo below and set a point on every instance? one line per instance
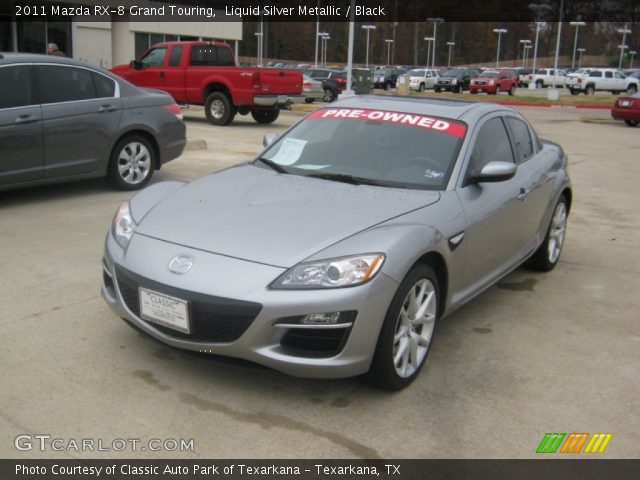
(181, 264)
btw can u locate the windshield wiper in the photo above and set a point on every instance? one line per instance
(277, 167)
(341, 177)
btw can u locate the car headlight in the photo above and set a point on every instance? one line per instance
(123, 225)
(331, 273)
(454, 81)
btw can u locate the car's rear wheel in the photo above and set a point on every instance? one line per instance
(512, 90)
(632, 123)
(574, 91)
(218, 109)
(422, 88)
(265, 116)
(329, 95)
(589, 90)
(407, 331)
(132, 162)
(632, 89)
(539, 84)
(546, 257)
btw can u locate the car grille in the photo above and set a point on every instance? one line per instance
(443, 82)
(480, 82)
(213, 319)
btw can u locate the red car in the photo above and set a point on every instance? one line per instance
(494, 82)
(627, 109)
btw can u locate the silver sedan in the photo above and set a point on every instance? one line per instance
(337, 251)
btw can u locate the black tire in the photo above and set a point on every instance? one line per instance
(512, 91)
(383, 373)
(539, 84)
(574, 91)
(309, 100)
(421, 88)
(632, 89)
(437, 90)
(615, 92)
(329, 95)
(589, 90)
(218, 109)
(265, 116)
(132, 162)
(632, 123)
(541, 260)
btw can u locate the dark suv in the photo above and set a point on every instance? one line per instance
(456, 80)
(387, 78)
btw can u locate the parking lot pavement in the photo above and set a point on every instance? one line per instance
(536, 353)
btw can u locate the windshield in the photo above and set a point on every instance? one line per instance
(453, 73)
(385, 148)
(488, 75)
(416, 73)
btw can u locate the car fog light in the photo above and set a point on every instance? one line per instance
(321, 318)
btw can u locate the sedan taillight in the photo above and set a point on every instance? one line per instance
(174, 109)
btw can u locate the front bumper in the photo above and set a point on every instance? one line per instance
(283, 100)
(482, 88)
(247, 307)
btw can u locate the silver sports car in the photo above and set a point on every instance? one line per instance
(337, 251)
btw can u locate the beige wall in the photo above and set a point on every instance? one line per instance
(92, 43)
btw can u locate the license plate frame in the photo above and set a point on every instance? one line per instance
(165, 310)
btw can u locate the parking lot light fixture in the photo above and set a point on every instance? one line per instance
(526, 54)
(499, 31)
(325, 40)
(368, 29)
(633, 54)
(322, 36)
(575, 40)
(389, 41)
(538, 9)
(436, 21)
(428, 40)
(451, 45)
(622, 47)
(580, 52)
(259, 36)
(526, 44)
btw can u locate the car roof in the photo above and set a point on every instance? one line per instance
(10, 57)
(446, 108)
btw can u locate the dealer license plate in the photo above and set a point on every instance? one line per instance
(164, 310)
(625, 103)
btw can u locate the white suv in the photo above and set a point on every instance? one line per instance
(602, 79)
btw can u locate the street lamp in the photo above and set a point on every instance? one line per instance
(321, 35)
(451, 45)
(539, 9)
(435, 21)
(389, 41)
(259, 36)
(368, 28)
(580, 52)
(575, 41)
(499, 31)
(325, 40)
(526, 54)
(428, 40)
(624, 32)
(633, 54)
(526, 44)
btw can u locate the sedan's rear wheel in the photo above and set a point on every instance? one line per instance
(546, 257)
(632, 123)
(132, 163)
(407, 331)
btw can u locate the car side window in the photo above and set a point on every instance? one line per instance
(154, 58)
(522, 138)
(105, 87)
(176, 55)
(595, 74)
(492, 145)
(225, 58)
(619, 75)
(18, 88)
(608, 74)
(65, 84)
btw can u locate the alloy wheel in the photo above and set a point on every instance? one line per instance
(557, 232)
(134, 163)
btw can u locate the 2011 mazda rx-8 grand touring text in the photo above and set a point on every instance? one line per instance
(338, 249)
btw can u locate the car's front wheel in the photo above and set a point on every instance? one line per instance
(132, 163)
(407, 330)
(546, 257)
(512, 91)
(329, 95)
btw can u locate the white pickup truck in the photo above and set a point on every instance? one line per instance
(602, 80)
(544, 77)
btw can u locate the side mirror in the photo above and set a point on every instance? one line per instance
(495, 172)
(135, 64)
(269, 139)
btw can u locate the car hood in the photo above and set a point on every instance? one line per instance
(259, 215)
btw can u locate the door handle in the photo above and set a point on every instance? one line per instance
(523, 194)
(246, 74)
(107, 108)
(26, 119)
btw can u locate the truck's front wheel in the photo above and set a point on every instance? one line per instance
(265, 116)
(218, 109)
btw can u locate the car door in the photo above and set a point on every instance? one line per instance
(494, 211)
(620, 81)
(81, 112)
(174, 74)
(152, 71)
(21, 151)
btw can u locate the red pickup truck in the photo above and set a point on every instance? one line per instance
(205, 73)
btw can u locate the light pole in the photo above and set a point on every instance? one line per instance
(526, 54)
(317, 34)
(259, 48)
(499, 31)
(526, 44)
(368, 29)
(575, 40)
(553, 93)
(389, 41)
(428, 40)
(321, 35)
(633, 54)
(435, 21)
(539, 8)
(325, 40)
(451, 45)
(580, 52)
(622, 47)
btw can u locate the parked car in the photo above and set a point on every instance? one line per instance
(456, 80)
(386, 78)
(205, 73)
(601, 79)
(63, 120)
(546, 77)
(311, 89)
(421, 79)
(523, 76)
(333, 81)
(494, 82)
(374, 224)
(628, 109)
